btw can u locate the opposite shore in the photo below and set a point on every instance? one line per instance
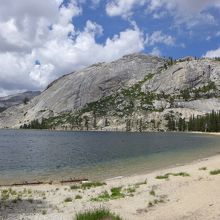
(189, 191)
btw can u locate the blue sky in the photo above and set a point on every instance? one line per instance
(193, 40)
(42, 40)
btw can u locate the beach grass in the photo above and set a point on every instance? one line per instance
(160, 177)
(215, 172)
(78, 197)
(87, 185)
(152, 193)
(92, 185)
(116, 193)
(68, 199)
(167, 175)
(97, 214)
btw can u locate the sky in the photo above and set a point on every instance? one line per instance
(42, 40)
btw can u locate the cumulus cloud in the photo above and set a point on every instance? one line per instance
(186, 12)
(213, 53)
(95, 3)
(156, 52)
(158, 37)
(24, 24)
(122, 8)
(37, 46)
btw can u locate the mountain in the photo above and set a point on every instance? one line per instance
(137, 92)
(16, 99)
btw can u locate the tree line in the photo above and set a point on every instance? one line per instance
(209, 122)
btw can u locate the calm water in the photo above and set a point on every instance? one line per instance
(32, 155)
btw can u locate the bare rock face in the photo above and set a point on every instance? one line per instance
(185, 75)
(73, 91)
(16, 99)
(133, 90)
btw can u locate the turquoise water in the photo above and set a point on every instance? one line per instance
(43, 155)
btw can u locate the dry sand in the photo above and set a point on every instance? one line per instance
(191, 197)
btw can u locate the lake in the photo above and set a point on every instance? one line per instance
(55, 155)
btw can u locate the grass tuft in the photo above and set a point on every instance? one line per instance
(152, 193)
(68, 199)
(75, 187)
(78, 197)
(92, 185)
(215, 172)
(97, 214)
(166, 176)
(105, 196)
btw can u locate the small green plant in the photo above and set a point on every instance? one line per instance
(152, 193)
(203, 168)
(97, 214)
(78, 197)
(105, 196)
(162, 177)
(155, 202)
(68, 199)
(166, 176)
(116, 193)
(92, 185)
(131, 190)
(183, 174)
(75, 187)
(215, 172)
(44, 212)
(150, 204)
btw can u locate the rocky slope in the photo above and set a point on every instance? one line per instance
(16, 99)
(136, 92)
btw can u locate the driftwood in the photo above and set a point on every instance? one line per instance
(23, 184)
(74, 180)
(27, 183)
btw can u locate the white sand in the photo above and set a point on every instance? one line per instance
(194, 197)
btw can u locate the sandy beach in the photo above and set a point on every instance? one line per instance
(183, 192)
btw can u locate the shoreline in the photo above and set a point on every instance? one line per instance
(114, 131)
(180, 192)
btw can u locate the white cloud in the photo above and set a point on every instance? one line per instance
(59, 49)
(156, 52)
(95, 3)
(24, 24)
(122, 8)
(213, 53)
(186, 12)
(158, 37)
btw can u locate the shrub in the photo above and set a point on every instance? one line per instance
(78, 197)
(97, 214)
(68, 199)
(215, 172)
